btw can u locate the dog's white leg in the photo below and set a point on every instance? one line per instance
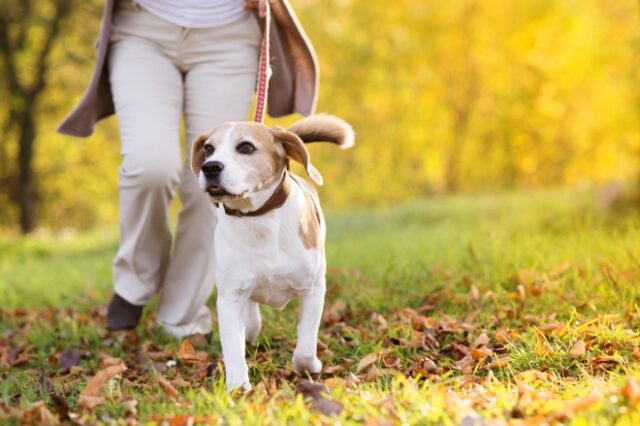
(231, 325)
(252, 321)
(304, 356)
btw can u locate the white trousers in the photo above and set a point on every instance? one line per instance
(158, 72)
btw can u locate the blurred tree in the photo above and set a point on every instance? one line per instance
(28, 32)
(444, 95)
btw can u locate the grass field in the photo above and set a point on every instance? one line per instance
(507, 309)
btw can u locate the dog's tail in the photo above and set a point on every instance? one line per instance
(324, 128)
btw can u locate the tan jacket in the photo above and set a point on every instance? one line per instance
(293, 86)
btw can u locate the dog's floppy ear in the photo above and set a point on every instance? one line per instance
(295, 149)
(197, 152)
(324, 128)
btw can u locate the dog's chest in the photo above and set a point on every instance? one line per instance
(265, 260)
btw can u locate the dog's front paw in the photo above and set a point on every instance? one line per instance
(306, 364)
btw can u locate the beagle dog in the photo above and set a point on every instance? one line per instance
(270, 235)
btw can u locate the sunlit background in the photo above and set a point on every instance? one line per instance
(445, 97)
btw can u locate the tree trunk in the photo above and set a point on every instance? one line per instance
(27, 199)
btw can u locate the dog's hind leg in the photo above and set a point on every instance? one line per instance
(252, 321)
(304, 356)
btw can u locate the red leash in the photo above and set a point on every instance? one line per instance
(264, 69)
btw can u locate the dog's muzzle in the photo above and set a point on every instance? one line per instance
(212, 169)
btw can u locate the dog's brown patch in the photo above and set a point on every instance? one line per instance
(268, 164)
(197, 152)
(295, 149)
(309, 228)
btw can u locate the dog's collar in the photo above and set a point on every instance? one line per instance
(276, 200)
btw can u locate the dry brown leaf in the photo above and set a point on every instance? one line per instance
(391, 361)
(429, 366)
(107, 360)
(631, 391)
(372, 374)
(89, 401)
(90, 395)
(333, 369)
(576, 406)
(315, 394)
(352, 379)
(481, 340)
(188, 354)
(186, 349)
(481, 353)
(69, 358)
(366, 361)
(47, 418)
(167, 387)
(579, 349)
(474, 293)
(335, 312)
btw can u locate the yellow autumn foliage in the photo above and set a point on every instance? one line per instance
(445, 96)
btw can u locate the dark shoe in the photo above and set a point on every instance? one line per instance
(122, 315)
(200, 340)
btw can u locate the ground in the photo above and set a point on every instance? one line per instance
(504, 309)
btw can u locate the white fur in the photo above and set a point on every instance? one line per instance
(263, 260)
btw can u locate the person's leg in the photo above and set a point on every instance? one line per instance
(222, 65)
(148, 96)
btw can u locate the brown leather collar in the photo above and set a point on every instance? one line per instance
(275, 201)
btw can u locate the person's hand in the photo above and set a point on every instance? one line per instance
(261, 5)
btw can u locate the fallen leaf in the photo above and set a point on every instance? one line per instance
(372, 374)
(186, 349)
(579, 349)
(107, 360)
(131, 406)
(69, 358)
(333, 369)
(391, 361)
(167, 387)
(188, 354)
(60, 403)
(474, 293)
(366, 361)
(481, 340)
(631, 391)
(429, 366)
(39, 414)
(480, 353)
(335, 313)
(352, 379)
(575, 406)
(314, 392)
(90, 395)
(47, 418)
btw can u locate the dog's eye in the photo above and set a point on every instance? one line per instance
(245, 148)
(208, 150)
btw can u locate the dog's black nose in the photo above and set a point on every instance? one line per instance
(212, 169)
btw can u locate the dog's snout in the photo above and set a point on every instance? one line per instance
(212, 169)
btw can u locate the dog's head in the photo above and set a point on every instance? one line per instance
(239, 158)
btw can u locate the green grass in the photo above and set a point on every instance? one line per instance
(537, 273)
